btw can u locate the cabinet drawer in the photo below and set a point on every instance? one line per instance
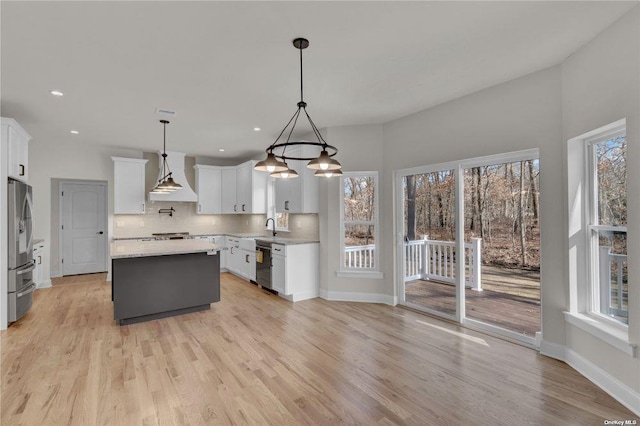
(279, 249)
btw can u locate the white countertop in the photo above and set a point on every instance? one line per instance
(128, 248)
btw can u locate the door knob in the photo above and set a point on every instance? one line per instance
(101, 232)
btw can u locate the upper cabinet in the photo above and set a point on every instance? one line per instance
(209, 189)
(244, 190)
(228, 198)
(298, 195)
(128, 185)
(251, 189)
(17, 149)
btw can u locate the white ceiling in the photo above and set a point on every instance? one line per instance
(227, 67)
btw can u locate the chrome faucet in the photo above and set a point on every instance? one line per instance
(274, 225)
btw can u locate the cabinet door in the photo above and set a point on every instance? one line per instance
(38, 272)
(17, 152)
(244, 189)
(278, 275)
(208, 187)
(228, 197)
(249, 265)
(220, 241)
(128, 187)
(289, 191)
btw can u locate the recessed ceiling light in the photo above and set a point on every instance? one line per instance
(56, 93)
(74, 132)
(256, 129)
(221, 150)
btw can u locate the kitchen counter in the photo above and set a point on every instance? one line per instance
(123, 248)
(37, 241)
(158, 279)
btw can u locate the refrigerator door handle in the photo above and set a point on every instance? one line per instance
(31, 288)
(27, 268)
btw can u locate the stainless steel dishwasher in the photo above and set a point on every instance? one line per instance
(263, 263)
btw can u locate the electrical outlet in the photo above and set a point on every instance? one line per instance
(298, 224)
(141, 224)
(246, 222)
(119, 224)
(213, 221)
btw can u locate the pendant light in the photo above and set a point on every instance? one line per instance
(287, 173)
(166, 184)
(328, 173)
(276, 161)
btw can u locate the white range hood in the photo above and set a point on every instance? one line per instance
(175, 161)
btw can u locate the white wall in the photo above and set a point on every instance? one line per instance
(72, 160)
(600, 85)
(360, 149)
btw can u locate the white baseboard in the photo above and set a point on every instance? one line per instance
(347, 296)
(304, 296)
(614, 387)
(44, 284)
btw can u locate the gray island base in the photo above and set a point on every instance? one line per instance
(152, 287)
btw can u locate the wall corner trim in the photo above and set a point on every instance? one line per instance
(618, 390)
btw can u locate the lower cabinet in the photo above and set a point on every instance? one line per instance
(294, 270)
(218, 240)
(248, 269)
(39, 253)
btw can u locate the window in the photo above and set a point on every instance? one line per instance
(359, 225)
(598, 275)
(607, 213)
(282, 219)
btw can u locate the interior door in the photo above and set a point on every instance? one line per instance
(84, 226)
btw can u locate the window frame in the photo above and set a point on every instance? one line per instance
(271, 207)
(343, 271)
(593, 227)
(580, 203)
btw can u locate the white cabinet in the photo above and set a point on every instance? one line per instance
(128, 185)
(209, 189)
(220, 241)
(294, 270)
(38, 260)
(278, 275)
(301, 194)
(251, 189)
(234, 255)
(17, 149)
(228, 191)
(244, 190)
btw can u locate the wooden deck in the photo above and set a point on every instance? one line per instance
(510, 299)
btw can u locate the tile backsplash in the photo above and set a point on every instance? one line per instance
(185, 219)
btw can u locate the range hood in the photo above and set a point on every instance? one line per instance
(175, 161)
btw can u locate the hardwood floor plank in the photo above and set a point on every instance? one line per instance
(255, 358)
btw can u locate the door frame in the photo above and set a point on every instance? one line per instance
(398, 209)
(61, 218)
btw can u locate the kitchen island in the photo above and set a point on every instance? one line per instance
(158, 279)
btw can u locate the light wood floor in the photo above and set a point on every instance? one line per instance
(255, 358)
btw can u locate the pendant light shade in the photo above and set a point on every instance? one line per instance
(166, 184)
(277, 157)
(270, 164)
(285, 174)
(328, 173)
(324, 162)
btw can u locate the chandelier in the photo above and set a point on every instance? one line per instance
(276, 161)
(166, 184)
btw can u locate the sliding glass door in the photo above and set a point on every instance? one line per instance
(468, 242)
(429, 241)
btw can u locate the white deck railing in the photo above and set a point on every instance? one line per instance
(426, 259)
(612, 283)
(435, 260)
(360, 256)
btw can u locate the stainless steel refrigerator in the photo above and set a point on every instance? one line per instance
(20, 251)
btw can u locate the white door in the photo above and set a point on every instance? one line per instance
(84, 228)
